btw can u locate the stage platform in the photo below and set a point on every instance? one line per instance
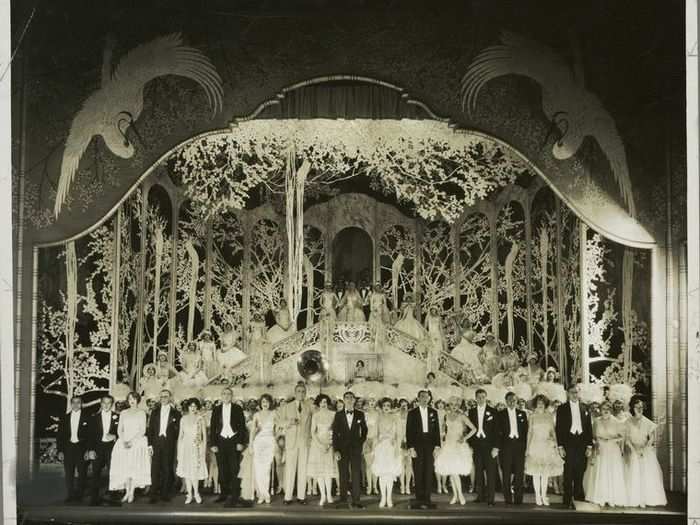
(42, 504)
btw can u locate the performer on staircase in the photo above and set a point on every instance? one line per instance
(229, 356)
(408, 324)
(378, 316)
(351, 306)
(436, 336)
(284, 326)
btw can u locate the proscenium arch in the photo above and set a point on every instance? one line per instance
(630, 232)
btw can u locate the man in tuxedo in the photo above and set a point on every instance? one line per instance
(103, 435)
(295, 421)
(228, 438)
(485, 444)
(423, 443)
(513, 440)
(574, 432)
(349, 431)
(71, 444)
(162, 434)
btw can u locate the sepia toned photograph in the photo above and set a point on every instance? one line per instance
(359, 261)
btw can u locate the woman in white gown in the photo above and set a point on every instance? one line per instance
(192, 450)
(378, 315)
(467, 353)
(455, 457)
(321, 464)
(408, 324)
(229, 356)
(351, 304)
(604, 480)
(284, 327)
(192, 374)
(207, 349)
(259, 347)
(264, 443)
(130, 465)
(329, 302)
(164, 372)
(436, 337)
(645, 484)
(542, 459)
(371, 417)
(386, 462)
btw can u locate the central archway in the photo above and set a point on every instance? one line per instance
(353, 256)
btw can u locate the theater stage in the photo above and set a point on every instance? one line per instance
(43, 504)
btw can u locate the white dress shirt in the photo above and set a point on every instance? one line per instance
(164, 413)
(106, 421)
(424, 418)
(576, 427)
(226, 430)
(74, 426)
(480, 412)
(513, 424)
(348, 417)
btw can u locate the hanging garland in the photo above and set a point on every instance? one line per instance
(422, 163)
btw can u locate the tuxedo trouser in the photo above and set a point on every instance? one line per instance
(228, 459)
(295, 468)
(350, 471)
(485, 464)
(423, 470)
(512, 457)
(103, 454)
(574, 468)
(74, 459)
(162, 467)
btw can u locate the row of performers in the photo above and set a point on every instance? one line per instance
(203, 362)
(604, 458)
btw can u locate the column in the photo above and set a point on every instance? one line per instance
(583, 302)
(140, 312)
(208, 263)
(528, 270)
(172, 308)
(493, 246)
(116, 296)
(563, 361)
(245, 280)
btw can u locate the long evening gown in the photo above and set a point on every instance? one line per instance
(133, 462)
(645, 484)
(192, 448)
(604, 480)
(352, 311)
(436, 336)
(468, 354)
(454, 457)
(264, 453)
(408, 324)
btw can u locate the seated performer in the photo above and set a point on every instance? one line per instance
(467, 352)
(229, 356)
(284, 326)
(192, 373)
(351, 306)
(408, 323)
(360, 372)
(164, 371)
(150, 383)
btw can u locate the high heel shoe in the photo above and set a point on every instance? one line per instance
(545, 502)
(462, 501)
(322, 502)
(453, 500)
(188, 499)
(130, 499)
(538, 500)
(198, 498)
(390, 504)
(125, 498)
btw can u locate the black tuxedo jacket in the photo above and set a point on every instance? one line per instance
(96, 430)
(521, 423)
(414, 428)
(237, 422)
(172, 430)
(563, 424)
(490, 426)
(64, 431)
(346, 439)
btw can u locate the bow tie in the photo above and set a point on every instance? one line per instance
(348, 412)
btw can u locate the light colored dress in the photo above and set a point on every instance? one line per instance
(436, 336)
(210, 366)
(542, 456)
(407, 464)
(604, 480)
(328, 304)
(645, 484)
(321, 464)
(192, 448)
(283, 327)
(408, 324)
(351, 310)
(192, 374)
(247, 473)
(263, 451)
(260, 350)
(455, 456)
(371, 416)
(133, 462)
(467, 353)
(386, 460)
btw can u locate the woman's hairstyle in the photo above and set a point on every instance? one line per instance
(384, 400)
(193, 401)
(538, 398)
(480, 391)
(634, 401)
(360, 362)
(135, 395)
(320, 398)
(267, 396)
(604, 404)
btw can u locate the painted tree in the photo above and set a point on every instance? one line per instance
(397, 249)
(475, 278)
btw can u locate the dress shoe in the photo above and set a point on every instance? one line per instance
(357, 506)
(288, 502)
(492, 503)
(153, 499)
(232, 503)
(572, 506)
(477, 500)
(221, 498)
(301, 501)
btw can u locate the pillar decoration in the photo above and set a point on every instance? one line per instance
(493, 250)
(528, 272)
(563, 365)
(156, 289)
(627, 319)
(172, 306)
(31, 457)
(208, 265)
(116, 296)
(245, 281)
(544, 251)
(140, 306)
(583, 309)
(683, 362)
(71, 316)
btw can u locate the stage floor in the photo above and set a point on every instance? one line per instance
(41, 502)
